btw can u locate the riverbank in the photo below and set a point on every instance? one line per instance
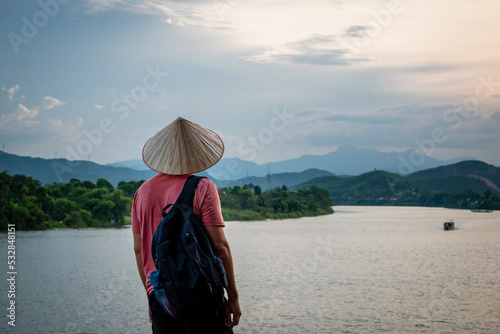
(249, 215)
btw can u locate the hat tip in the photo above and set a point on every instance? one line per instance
(179, 118)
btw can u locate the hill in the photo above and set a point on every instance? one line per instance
(372, 188)
(276, 180)
(62, 170)
(136, 164)
(475, 175)
(429, 187)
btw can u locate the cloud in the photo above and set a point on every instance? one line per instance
(11, 91)
(57, 123)
(51, 103)
(431, 68)
(98, 106)
(20, 114)
(63, 131)
(357, 31)
(340, 49)
(403, 126)
(473, 132)
(380, 115)
(328, 50)
(47, 133)
(180, 13)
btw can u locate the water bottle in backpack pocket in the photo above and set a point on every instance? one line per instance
(154, 279)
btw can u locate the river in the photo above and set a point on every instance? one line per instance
(359, 270)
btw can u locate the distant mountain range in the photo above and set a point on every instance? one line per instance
(346, 160)
(62, 170)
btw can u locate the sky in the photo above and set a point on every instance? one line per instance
(276, 79)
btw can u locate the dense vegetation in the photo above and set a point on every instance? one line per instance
(467, 199)
(250, 203)
(31, 206)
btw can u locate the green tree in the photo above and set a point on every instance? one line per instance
(86, 184)
(257, 190)
(63, 207)
(129, 188)
(5, 184)
(28, 214)
(103, 210)
(29, 205)
(103, 183)
(77, 218)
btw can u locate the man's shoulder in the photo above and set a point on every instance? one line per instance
(149, 182)
(205, 180)
(206, 183)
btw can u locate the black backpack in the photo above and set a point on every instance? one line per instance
(190, 275)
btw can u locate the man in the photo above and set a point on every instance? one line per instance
(176, 152)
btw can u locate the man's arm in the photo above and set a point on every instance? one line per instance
(222, 250)
(138, 257)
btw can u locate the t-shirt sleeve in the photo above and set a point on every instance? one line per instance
(208, 203)
(136, 226)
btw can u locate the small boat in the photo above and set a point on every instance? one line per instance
(449, 225)
(481, 210)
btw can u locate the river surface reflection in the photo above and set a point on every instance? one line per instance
(360, 270)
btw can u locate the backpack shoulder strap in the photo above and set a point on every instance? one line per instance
(187, 194)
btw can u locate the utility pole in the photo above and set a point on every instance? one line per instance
(269, 185)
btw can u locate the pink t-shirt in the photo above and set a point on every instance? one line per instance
(160, 190)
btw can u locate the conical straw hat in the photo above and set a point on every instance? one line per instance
(182, 147)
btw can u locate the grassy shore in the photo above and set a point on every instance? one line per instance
(250, 215)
